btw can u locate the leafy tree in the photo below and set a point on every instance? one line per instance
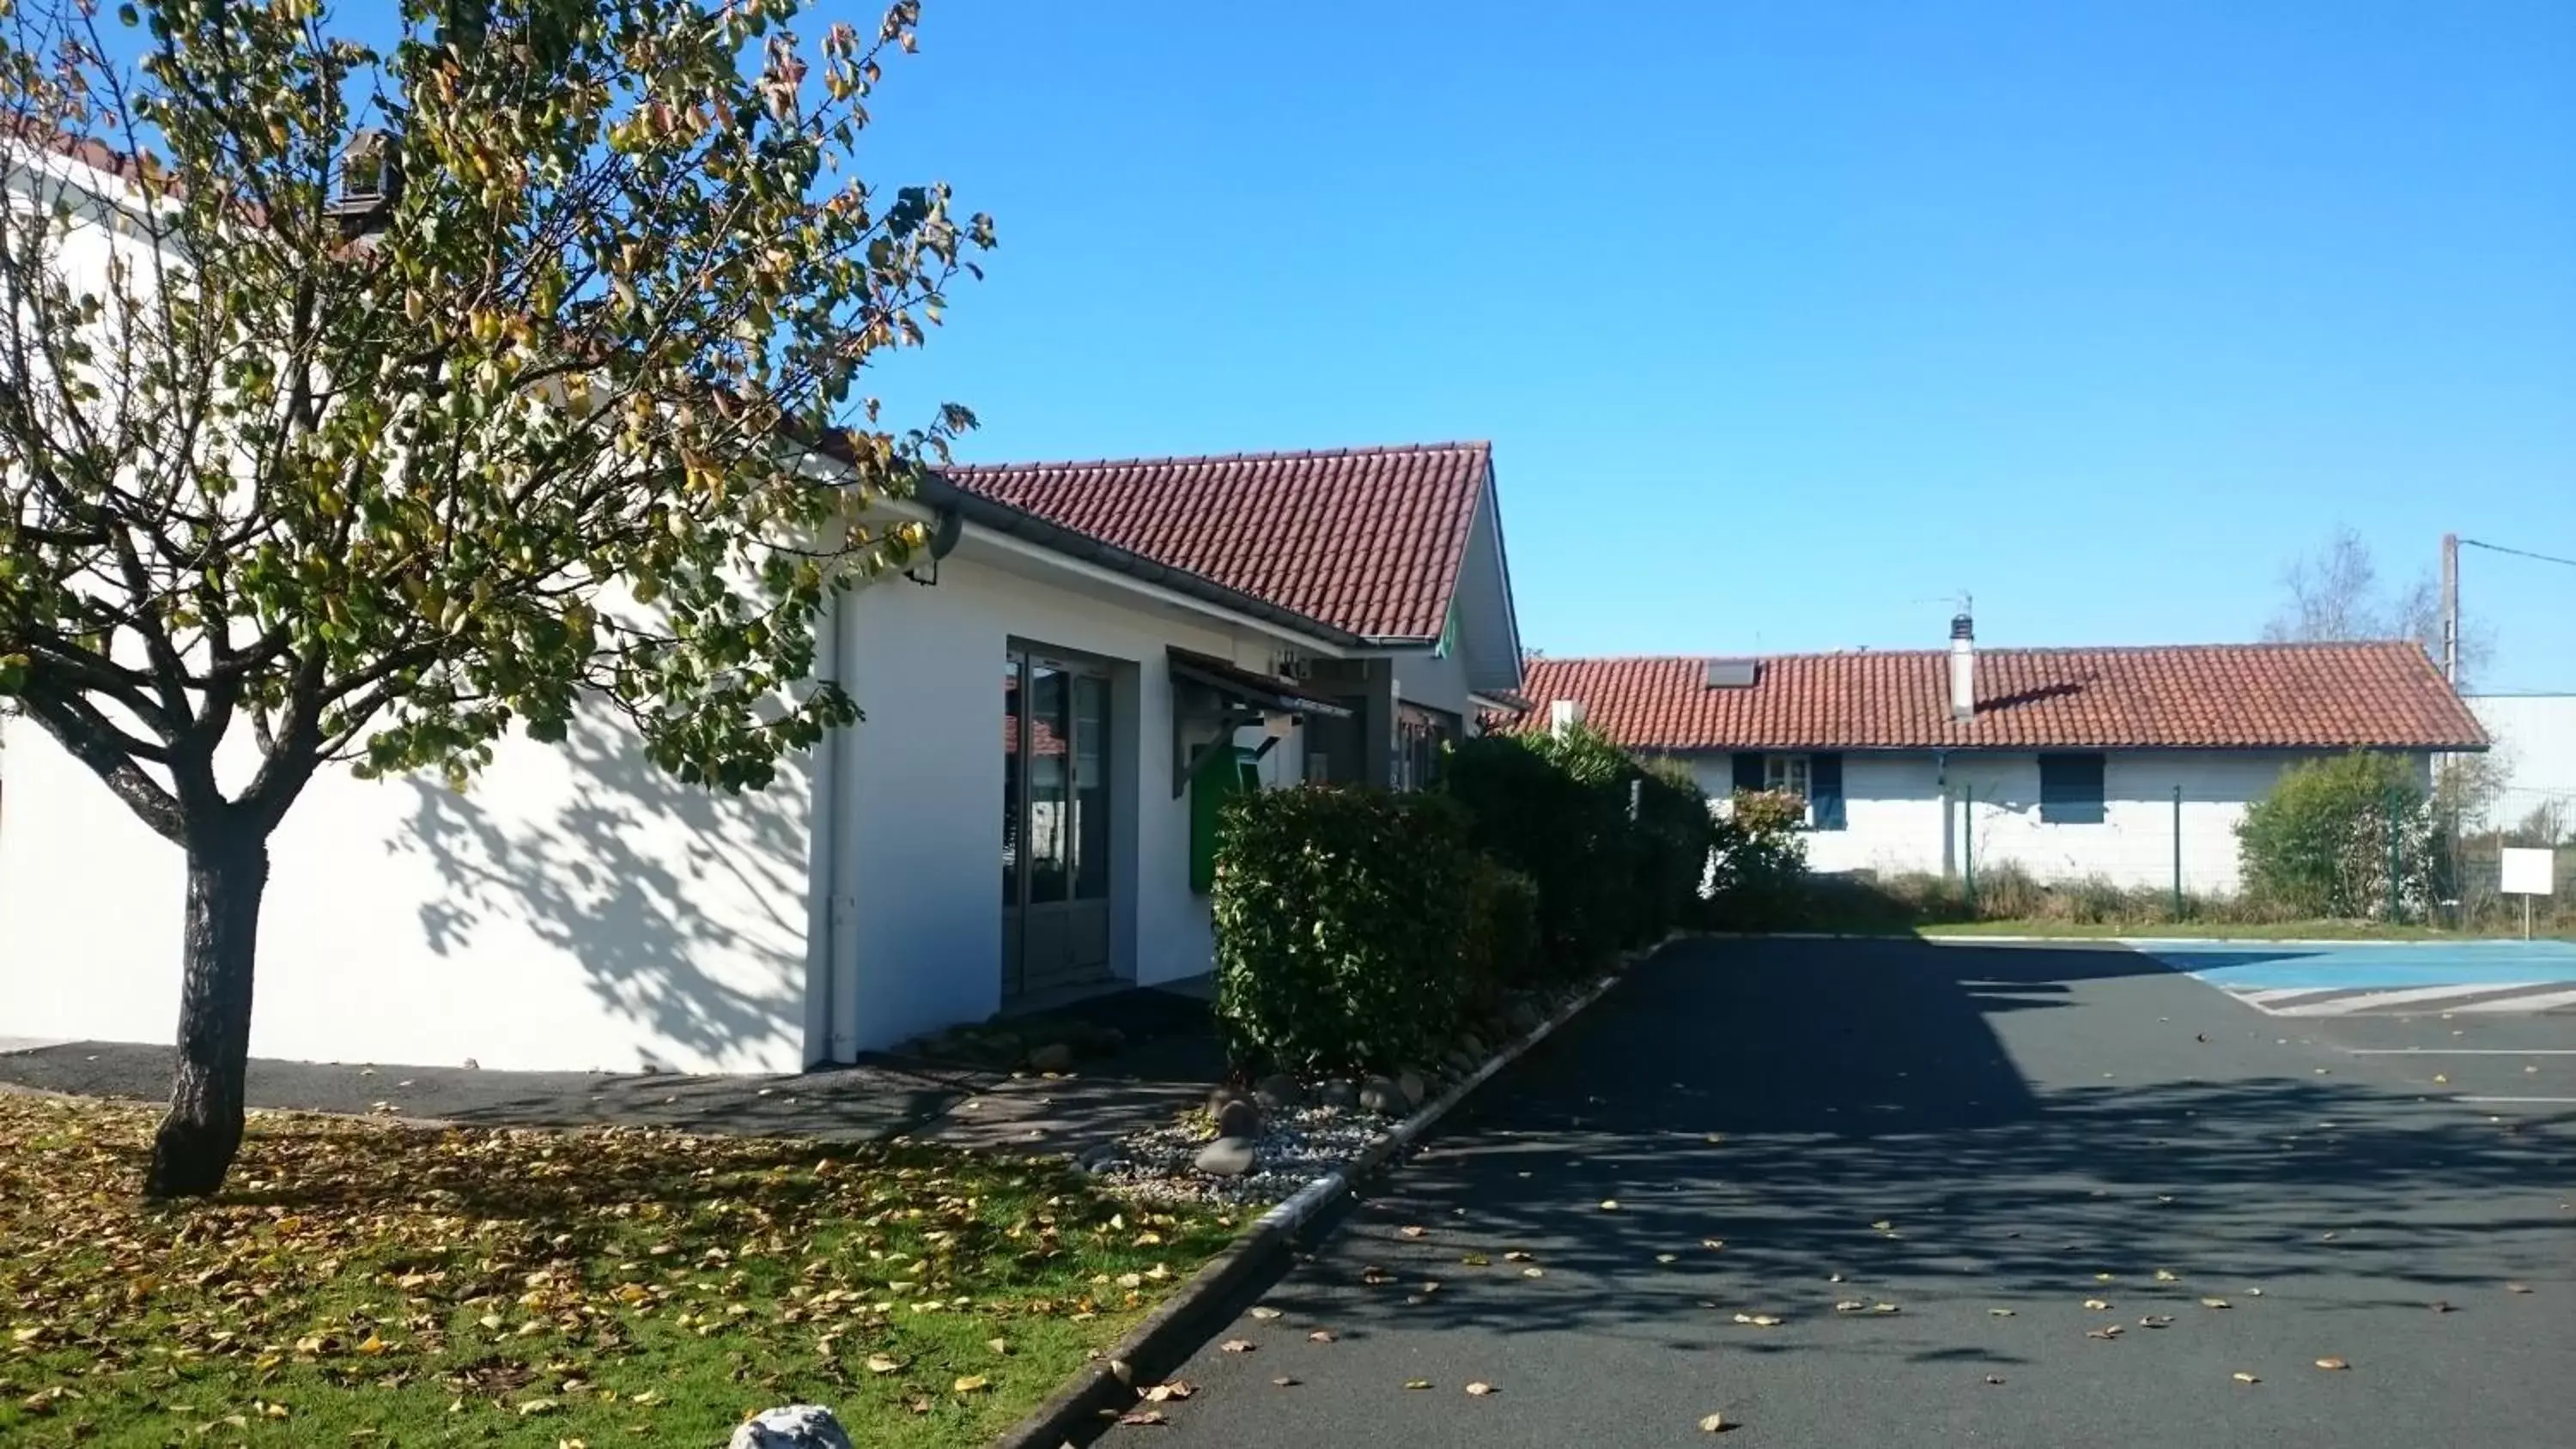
(2327, 838)
(569, 414)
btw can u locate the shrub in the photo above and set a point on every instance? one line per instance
(1340, 915)
(2325, 841)
(1671, 838)
(1555, 809)
(1502, 950)
(1757, 871)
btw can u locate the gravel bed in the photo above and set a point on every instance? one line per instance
(1295, 1147)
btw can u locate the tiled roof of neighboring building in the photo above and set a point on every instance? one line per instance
(2192, 696)
(1369, 540)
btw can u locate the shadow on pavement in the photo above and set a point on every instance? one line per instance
(1760, 1095)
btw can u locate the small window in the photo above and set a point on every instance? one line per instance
(2070, 789)
(1787, 773)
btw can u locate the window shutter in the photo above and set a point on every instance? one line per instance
(1748, 770)
(2071, 789)
(1825, 790)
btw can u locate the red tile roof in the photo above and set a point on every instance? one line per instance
(1369, 540)
(2194, 696)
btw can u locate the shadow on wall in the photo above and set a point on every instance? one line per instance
(654, 886)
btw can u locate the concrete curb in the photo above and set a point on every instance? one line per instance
(1174, 1328)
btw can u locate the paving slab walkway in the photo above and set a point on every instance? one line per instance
(1165, 1072)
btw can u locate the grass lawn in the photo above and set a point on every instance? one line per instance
(370, 1284)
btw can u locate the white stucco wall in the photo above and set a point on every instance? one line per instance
(576, 909)
(1895, 806)
(926, 809)
(2535, 744)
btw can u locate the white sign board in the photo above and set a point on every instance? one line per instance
(2526, 872)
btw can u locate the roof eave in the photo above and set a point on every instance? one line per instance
(937, 492)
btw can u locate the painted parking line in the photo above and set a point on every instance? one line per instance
(2310, 980)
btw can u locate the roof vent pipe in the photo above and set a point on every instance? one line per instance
(1564, 715)
(1963, 668)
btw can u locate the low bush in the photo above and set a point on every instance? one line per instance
(2353, 836)
(1502, 951)
(1555, 810)
(1757, 864)
(1671, 839)
(1340, 921)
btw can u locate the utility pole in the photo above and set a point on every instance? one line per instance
(2451, 608)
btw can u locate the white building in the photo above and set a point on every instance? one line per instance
(1053, 707)
(2129, 764)
(2535, 754)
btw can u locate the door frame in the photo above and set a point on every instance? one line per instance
(1074, 919)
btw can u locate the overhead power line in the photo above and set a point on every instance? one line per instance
(2518, 552)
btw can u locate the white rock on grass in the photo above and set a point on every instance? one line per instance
(797, 1426)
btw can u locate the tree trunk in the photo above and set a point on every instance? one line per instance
(227, 872)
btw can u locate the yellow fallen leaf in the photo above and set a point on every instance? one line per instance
(1235, 1345)
(1609, 1204)
(1479, 1390)
(2331, 1363)
(1413, 1230)
(1714, 1424)
(1320, 1335)
(1265, 1313)
(1667, 1257)
(998, 1345)
(2097, 1304)
(536, 1406)
(2243, 1377)
(972, 1384)
(2167, 1275)
(1533, 1272)
(1850, 1305)
(372, 1344)
(1519, 1255)
(2213, 1303)
(2001, 1312)
(881, 1364)
(1417, 1383)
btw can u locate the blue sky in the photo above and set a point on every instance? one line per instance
(1789, 322)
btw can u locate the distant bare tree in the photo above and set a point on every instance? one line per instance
(2335, 593)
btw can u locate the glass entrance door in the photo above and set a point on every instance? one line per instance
(1055, 824)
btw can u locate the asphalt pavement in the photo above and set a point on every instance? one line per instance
(1892, 1193)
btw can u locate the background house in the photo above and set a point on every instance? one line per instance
(1054, 704)
(2071, 763)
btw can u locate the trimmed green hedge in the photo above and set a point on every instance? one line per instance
(1340, 921)
(1557, 809)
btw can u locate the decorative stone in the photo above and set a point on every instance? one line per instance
(1226, 1157)
(1055, 1056)
(1382, 1096)
(1461, 1064)
(797, 1426)
(1279, 1092)
(1345, 1095)
(1523, 1017)
(1410, 1083)
(1219, 1096)
(1473, 1045)
(1238, 1118)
